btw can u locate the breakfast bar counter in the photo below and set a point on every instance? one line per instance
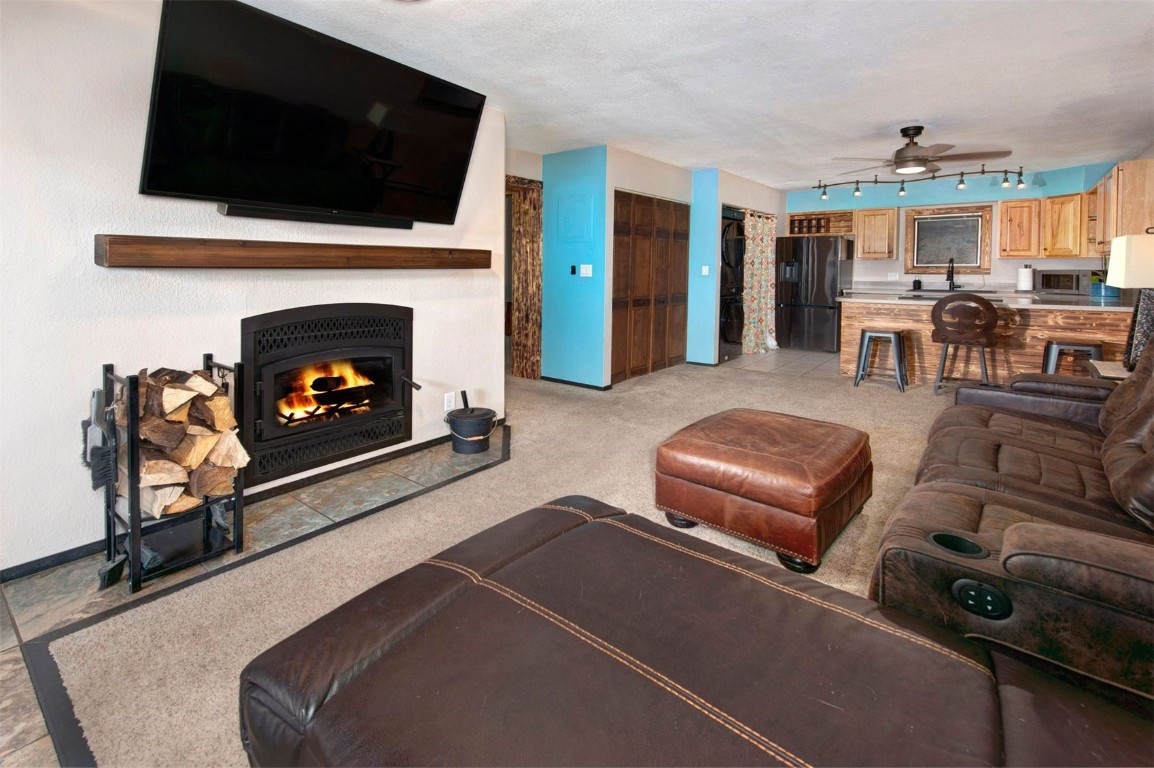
(1027, 322)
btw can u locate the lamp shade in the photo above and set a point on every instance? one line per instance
(1131, 262)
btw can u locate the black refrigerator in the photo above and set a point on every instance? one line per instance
(811, 273)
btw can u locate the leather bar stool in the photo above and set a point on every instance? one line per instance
(897, 350)
(964, 320)
(1055, 348)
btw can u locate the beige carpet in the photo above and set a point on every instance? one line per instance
(157, 685)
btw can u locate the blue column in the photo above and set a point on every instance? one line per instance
(704, 251)
(573, 234)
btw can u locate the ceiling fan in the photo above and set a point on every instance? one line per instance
(914, 158)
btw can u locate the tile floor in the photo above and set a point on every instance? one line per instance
(42, 602)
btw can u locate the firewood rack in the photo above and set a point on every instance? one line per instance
(174, 542)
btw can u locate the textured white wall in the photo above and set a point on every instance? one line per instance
(73, 109)
(743, 193)
(518, 162)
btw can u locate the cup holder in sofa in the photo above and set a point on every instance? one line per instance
(959, 545)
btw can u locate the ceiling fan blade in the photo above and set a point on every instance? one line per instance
(973, 156)
(861, 170)
(864, 159)
(936, 149)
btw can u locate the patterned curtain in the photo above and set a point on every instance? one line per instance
(525, 249)
(760, 287)
(1141, 328)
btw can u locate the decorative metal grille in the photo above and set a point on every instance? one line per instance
(333, 330)
(275, 461)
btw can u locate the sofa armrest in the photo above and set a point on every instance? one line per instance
(1078, 387)
(1111, 571)
(1078, 410)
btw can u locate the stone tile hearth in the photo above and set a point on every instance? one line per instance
(54, 598)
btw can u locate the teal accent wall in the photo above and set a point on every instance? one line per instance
(573, 333)
(979, 189)
(704, 251)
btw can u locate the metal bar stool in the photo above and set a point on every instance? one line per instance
(897, 349)
(964, 320)
(1055, 348)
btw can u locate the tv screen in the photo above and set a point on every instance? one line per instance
(254, 110)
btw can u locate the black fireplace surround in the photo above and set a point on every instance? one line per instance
(324, 383)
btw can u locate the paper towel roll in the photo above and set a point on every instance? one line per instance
(1026, 279)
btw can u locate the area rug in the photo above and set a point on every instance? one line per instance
(158, 684)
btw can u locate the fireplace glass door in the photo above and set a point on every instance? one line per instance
(303, 395)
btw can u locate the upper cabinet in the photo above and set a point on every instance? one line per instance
(876, 233)
(1019, 228)
(1062, 226)
(1124, 204)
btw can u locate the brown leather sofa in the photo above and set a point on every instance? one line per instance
(1031, 523)
(575, 634)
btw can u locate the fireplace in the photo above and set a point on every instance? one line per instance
(324, 383)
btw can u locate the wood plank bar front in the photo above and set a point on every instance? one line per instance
(1024, 333)
(187, 252)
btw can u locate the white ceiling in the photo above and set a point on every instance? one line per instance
(772, 90)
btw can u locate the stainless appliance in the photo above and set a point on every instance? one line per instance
(811, 273)
(731, 278)
(1076, 281)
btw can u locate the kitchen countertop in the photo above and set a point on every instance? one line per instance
(1009, 299)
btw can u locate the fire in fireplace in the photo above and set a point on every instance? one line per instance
(321, 392)
(327, 382)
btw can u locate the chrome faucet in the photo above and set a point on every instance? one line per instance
(950, 276)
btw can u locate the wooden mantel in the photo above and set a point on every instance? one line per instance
(189, 252)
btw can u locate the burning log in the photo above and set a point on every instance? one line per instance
(189, 450)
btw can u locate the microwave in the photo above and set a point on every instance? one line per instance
(1062, 281)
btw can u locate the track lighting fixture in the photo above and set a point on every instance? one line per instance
(1021, 183)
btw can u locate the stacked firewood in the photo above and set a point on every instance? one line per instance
(189, 449)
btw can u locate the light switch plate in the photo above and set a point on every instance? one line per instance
(705, 270)
(586, 270)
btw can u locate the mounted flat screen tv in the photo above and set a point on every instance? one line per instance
(274, 120)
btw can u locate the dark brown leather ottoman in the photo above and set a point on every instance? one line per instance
(574, 634)
(781, 481)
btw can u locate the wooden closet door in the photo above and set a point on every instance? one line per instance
(678, 284)
(650, 285)
(659, 334)
(622, 228)
(641, 284)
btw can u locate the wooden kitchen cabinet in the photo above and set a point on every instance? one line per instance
(1019, 228)
(1124, 204)
(1062, 226)
(876, 233)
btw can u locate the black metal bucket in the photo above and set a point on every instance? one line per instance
(471, 428)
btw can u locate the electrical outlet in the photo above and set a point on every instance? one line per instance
(450, 401)
(892, 276)
(705, 270)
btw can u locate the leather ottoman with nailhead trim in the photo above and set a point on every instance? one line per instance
(784, 482)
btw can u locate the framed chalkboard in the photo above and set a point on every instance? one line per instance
(936, 235)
